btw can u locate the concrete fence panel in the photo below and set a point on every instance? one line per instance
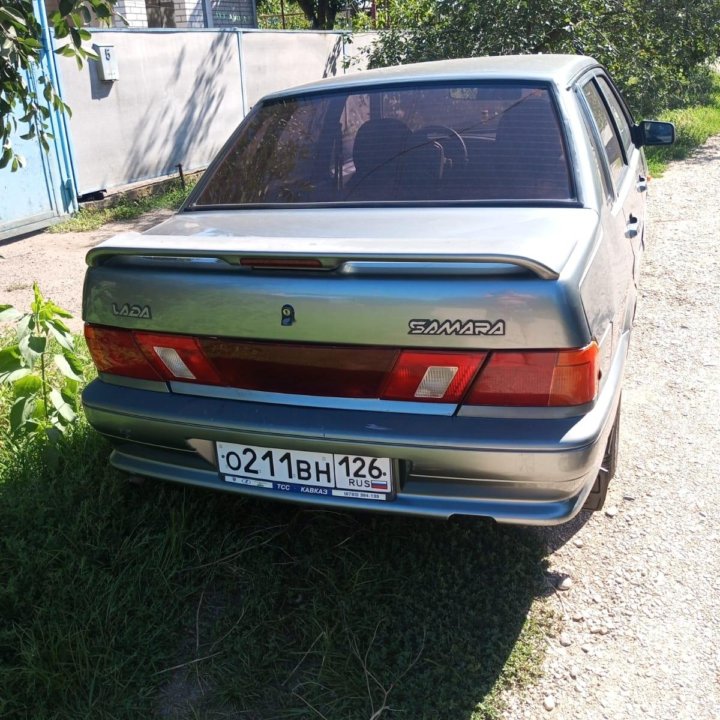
(180, 93)
(278, 60)
(177, 99)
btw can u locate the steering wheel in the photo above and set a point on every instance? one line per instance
(452, 144)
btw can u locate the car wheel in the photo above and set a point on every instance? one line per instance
(596, 499)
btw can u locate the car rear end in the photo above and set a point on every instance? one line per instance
(421, 353)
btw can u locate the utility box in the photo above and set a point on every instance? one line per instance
(107, 65)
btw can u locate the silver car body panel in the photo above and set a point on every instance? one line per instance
(559, 276)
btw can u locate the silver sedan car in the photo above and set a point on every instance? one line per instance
(407, 290)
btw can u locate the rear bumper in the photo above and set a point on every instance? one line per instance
(514, 470)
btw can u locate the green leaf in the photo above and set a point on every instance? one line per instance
(66, 7)
(8, 313)
(58, 310)
(12, 376)
(102, 12)
(28, 385)
(31, 348)
(25, 325)
(10, 360)
(66, 51)
(21, 415)
(37, 298)
(51, 454)
(13, 16)
(70, 392)
(64, 410)
(6, 157)
(69, 366)
(64, 337)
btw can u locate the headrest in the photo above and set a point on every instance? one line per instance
(378, 143)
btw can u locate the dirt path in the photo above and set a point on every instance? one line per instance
(641, 616)
(57, 263)
(641, 628)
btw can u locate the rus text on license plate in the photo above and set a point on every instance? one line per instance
(329, 474)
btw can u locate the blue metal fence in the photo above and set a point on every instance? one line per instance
(44, 190)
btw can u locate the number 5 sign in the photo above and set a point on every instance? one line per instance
(107, 67)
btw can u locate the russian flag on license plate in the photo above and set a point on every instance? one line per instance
(379, 484)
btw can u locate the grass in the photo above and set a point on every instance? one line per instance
(91, 218)
(693, 125)
(119, 601)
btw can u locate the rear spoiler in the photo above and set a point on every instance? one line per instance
(354, 256)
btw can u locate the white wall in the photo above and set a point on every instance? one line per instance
(133, 11)
(179, 96)
(277, 59)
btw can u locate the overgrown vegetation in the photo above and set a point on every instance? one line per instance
(658, 52)
(317, 14)
(694, 125)
(91, 218)
(41, 371)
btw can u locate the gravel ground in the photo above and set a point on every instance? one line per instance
(57, 263)
(638, 585)
(640, 633)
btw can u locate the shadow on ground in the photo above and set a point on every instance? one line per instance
(180, 603)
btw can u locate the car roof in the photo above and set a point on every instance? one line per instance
(558, 69)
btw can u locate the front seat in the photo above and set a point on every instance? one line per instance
(377, 152)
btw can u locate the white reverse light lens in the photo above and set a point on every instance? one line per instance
(435, 382)
(174, 363)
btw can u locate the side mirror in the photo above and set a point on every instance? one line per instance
(653, 132)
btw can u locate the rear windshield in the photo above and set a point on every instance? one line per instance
(417, 143)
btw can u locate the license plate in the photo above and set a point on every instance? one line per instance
(309, 473)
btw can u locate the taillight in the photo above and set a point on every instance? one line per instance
(532, 378)
(115, 351)
(301, 368)
(177, 357)
(538, 378)
(432, 376)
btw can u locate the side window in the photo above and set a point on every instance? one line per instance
(596, 153)
(618, 113)
(608, 134)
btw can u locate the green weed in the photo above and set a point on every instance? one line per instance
(127, 209)
(693, 125)
(41, 370)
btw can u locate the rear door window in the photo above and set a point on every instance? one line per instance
(608, 134)
(429, 143)
(618, 112)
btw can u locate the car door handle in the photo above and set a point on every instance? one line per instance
(642, 184)
(632, 227)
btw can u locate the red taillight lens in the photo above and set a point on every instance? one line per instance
(432, 376)
(115, 351)
(538, 378)
(177, 357)
(302, 369)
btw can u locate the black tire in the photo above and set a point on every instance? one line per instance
(596, 499)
